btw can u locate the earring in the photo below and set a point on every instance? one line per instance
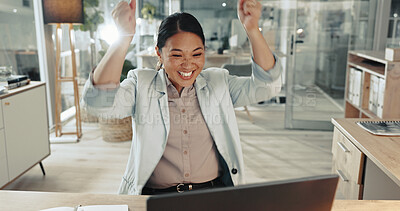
(159, 65)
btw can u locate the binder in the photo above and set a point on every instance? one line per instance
(350, 94)
(373, 94)
(381, 94)
(357, 87)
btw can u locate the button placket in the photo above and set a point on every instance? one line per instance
(185, 140)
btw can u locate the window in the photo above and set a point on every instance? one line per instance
(17, 50)
(394, 25)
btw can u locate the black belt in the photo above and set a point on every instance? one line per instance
(180, 188)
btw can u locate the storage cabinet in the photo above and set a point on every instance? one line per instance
(3, 159)
(348, 164)
(374, 102)
(367, 164)
(24, 136)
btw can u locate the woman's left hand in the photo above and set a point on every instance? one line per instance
(249, 12)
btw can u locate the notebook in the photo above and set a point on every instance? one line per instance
(91, 208)
(304, 194)
(383, 128)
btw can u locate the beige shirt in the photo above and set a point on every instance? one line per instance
(190, 155)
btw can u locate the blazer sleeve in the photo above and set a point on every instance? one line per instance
(260, 86)
(110, 100)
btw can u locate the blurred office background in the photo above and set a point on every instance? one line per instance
(311, 38)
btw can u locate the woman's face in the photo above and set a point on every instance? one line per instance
(183, 58)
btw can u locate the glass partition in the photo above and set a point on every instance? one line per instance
(18, 45)
(363, 25)
(226, 40)
(393, 40)
(311, 38)
(325, 30)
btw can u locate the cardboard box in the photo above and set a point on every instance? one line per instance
(392, 54)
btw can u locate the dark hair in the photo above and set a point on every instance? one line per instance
(176, 23)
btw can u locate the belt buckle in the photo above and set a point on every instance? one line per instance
(178, 188)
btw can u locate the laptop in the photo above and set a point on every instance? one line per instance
(308, 194)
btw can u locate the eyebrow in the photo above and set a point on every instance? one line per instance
(175, 49)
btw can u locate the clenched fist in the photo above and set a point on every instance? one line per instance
(124, 17)
(249, 12)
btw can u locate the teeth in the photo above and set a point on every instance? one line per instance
(185, 74)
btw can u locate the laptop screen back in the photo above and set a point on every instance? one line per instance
(311, 193)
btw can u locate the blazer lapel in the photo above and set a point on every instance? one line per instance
(203, 95)
(161, 89)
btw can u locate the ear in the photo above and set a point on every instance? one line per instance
(158, 53)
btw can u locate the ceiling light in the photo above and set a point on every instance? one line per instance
(224, 4)
(15, 10)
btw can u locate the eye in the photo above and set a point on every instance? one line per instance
(176, 55)
(197, 54)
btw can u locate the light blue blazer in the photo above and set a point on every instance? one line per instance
(143, 95)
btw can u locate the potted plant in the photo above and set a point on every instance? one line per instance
(93, 18)
(148, 11)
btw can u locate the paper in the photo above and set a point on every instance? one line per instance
(3, 89)
(389, 54)
(59, 209)
(92, 208)
(384, 128)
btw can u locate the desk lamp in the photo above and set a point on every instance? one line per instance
(64, 12)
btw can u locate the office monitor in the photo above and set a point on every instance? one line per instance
(308, 194)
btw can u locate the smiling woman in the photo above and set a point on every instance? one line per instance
(186, 135)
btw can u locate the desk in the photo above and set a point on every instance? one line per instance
(369, 165)
(26, 200)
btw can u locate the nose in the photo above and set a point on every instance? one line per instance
(187, 63)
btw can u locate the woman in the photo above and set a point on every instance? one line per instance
(185, 131)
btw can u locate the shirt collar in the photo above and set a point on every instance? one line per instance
(169, 83)
(172, 89)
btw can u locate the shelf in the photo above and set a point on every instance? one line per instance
(352, 111)
(367, 68)
(370, 61)
(369, 114)
(377, 56)
(373, 63)
(356, 111)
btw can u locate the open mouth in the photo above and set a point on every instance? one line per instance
(186, 75)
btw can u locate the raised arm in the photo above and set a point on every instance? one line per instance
(249, 12)
(108, 71)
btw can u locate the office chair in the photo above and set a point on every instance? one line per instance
(240, 70)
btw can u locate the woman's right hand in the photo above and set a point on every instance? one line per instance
(124, 17)
(108, 71)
